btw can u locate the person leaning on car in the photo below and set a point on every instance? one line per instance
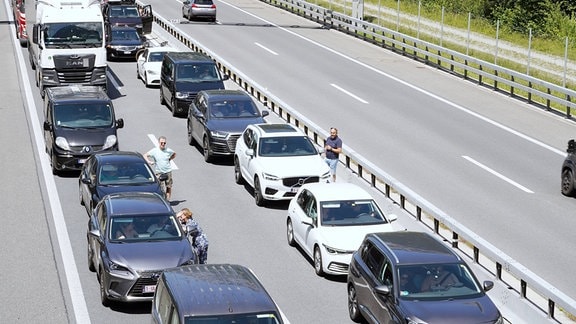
(333, 148)
(191, 227)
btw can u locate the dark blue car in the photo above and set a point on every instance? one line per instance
(112, 172)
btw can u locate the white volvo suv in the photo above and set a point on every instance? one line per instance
(276, 160)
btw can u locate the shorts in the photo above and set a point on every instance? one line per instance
(332, 163)
(168, 181)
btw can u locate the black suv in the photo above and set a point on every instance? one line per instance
(569, 170)
(78, 121)
(183, 75)
(410, 277)
(213, 293)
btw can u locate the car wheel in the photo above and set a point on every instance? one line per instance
(567, 183)
(90, 258)
(103, 297)
(31, 59)
(206, 148)
(146, 80)
(54, 164)
(353, 310)
(258, 197)
(191, 140)
(290, 233)
(162, 101)
(173, 104)
(318, 261)
(80, 197)
(237, 173)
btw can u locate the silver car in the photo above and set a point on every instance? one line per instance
(199, 9)
(132, 238)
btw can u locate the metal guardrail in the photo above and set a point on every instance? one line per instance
(550, 96)
(517, 277)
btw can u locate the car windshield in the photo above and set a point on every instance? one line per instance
(83, 115)
(233, 109)
(125, 35)
(156, 56)
(286, 146)
(144, 228)
(437, 282)
(197, 73)
(262, 318)
(351, 213)
(132, 173)
(124, 12)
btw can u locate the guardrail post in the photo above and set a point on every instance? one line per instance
(499, 271)
(495, 82)
(466, 70)
(568, 107)
(455, 240)
(530, 92)
(551, 308)
(419, 213)
(480, 75)
(548, 100)
(523, 288)
(436, 226)
(512, 87)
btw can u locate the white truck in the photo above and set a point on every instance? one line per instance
(67, 44)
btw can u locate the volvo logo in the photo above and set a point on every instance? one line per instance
(86, 149)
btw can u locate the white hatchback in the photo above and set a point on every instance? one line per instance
(329, 222)
(149, 62)
(276, 160)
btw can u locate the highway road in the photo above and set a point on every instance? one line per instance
(414, 122)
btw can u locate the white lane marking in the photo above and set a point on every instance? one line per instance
(154, 141)
(454, 105)
(73, 282)
(349, 93)
(516, 184)
(265, 48)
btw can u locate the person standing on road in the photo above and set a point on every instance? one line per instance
(199, 239)
(333, 148)
(160, 157)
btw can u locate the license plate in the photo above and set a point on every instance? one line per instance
(82, 161)
(293, 190)
(127, 52)
(149, 289)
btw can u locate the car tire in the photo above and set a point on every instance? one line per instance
(173, 107)
(191, 140)
(146, 80)
(353, 310)
(90, 254)
(258, 197)
(162, 101)
(237, 173)
(290, 233)
(80, 197)
(31, 59)
(54, 164)
(568, 183)
(103, 297)
(206, 150)
(318, 262)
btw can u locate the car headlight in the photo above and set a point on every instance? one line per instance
(152, 72)
(218, 134)
(270, 177)
(62, 143)
(189, 262)
(110, 141)
(333, 250)
(414, 320)
(181, 95)
(118, 269)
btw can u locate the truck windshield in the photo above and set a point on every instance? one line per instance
(58, 35)
(83, 115)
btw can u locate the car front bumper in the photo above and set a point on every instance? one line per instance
(131, 288)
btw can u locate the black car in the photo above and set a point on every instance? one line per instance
(128, 15)
(213, 293)
(410, 277)
(78, 121)
(123, 42)
(217, 118)
(569, 170)
(132, 238)
(110, 172)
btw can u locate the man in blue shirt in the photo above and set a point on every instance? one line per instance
(333, 148)
(160, 158)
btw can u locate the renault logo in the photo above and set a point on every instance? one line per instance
(86, 149)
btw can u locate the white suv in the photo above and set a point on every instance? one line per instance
(276, 160)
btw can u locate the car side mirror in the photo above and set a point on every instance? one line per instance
(163, 177)
(86, 180)
(47, 126)
(320, 149)
(265, 113)
(95, 233)
(382, 290)
(487, 285)
(392, 217)
(309, 223)
(249, 152)
(225, 77)
(120, 123)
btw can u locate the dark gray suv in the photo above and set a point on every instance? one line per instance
(569, 170)
(410, 277)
